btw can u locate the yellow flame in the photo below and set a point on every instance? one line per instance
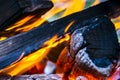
(69, 25)
(58, 7)
(116, 22)
(71, 6)
(29, 61)
(21, 22)
(117, 25)
(77, 5)
(30, 26)
(3, 38)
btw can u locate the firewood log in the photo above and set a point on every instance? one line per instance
(25, 43)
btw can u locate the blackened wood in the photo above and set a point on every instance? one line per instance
(4, 76)
(100, 47)
(8, 9)
(13, 47)
(11, 10)
(32, 5)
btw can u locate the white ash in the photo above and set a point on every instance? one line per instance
(49, 68)
(77, 39)
(82, 58)
(81, 78)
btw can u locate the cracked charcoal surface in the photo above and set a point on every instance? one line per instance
(101, 43)
(101, 39)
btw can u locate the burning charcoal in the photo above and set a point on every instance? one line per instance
(16, 47)
(94, 47)
(50, 68)
(84, 61)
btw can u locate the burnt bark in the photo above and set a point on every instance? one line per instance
(8, 9)
(93, 48)
(30, 41)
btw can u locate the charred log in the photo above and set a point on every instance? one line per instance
(16, 8)
(10, 10)
(32, 5)
(27, 42)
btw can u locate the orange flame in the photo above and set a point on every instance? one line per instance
(29, 61)
(21, 22)
(70, 6)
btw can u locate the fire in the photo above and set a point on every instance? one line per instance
(21, 22)
(31, 60)
(69, 25)
(117, 22)
(3, 38)
(58, 7)
(77, 5)
(65, 6)
(68, 6)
